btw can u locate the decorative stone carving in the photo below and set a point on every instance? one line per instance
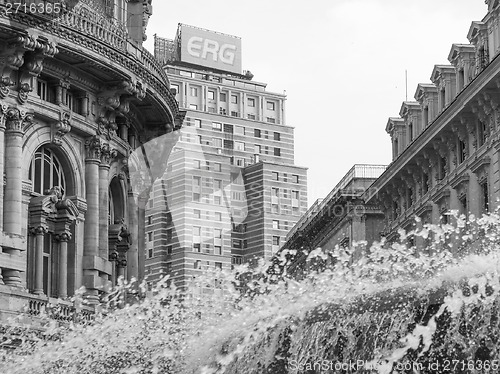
(62, 237)
(38, 230)
(107, 154)
(16, 120)
(93, 146)
(61, 128)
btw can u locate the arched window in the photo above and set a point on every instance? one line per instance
(46, 171)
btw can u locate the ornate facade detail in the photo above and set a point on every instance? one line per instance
(62, 237)
(107, 154)
(93, 146)
(38, 230)
(16, 119)
(61, 128)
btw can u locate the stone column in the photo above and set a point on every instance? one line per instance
(133, 225)
(106, 156)
(13, 204)
(91, 233)
(141, 227)
(124, 131)
(39, 233)
(62, 288)
(2, 157)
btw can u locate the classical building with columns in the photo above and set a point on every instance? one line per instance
(80, 100)
(445, 147)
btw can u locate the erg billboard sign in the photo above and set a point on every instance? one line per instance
(210, 49)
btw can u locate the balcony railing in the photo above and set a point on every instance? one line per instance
(359, 171)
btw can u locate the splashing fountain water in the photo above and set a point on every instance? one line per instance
(396, 310)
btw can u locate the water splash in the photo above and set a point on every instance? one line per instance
(395, 310)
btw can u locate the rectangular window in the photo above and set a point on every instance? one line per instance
(251, 102)
(277, 136)
(193, 106)
(275, 176)
(275, 191)
(150, 236)
(196, 181)
(197, 123)
(218, 265)
(295, 195)
(197, 213)
(217, 166)
(271, 120)
(217, 184)
(218, 250)
(485, 197)
(150, 220)
(275, 208)
(276, 240)
(169, 250)
(217, 142)
(258, 149)
(234, 114)
(223, 97)
(234, 99)
(228, 128)
(217, 126)
(217, 233)
(270, 105)
(196, 230)
(217, 200)
(295, 178)
(462, 151)
(42, 90)
(174, 89)
(197, 264)
(150, 253)
(194, 91)
(210, 95)
(237, 243)
(464, 209)
(257, 133)
(196, 197)
(239, 146)
(228, 144)
(239, 130)
(276, 224)
(197, 247)
(218, 216)
(295, 210)
(251, 116)
(277, 151)
(169, 234)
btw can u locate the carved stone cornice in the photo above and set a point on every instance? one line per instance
(459, 180)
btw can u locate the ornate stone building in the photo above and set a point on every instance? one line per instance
(445, 146)
(78, 96)
(446, 143)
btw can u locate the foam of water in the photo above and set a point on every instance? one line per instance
(395, 306)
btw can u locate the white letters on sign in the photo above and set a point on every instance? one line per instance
(199, 47)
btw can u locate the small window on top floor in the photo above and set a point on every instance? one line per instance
(174, 89)
(410, 132)
(251, 102)
(270, 105)
(210, 95)
(223, 97)
(277, 151)
(194, 91)
(257, 133)
(234, 99)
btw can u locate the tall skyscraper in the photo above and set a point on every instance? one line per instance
(231, 191)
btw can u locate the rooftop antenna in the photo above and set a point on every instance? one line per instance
(406, 84)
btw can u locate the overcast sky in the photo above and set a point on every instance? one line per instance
(341, 62)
